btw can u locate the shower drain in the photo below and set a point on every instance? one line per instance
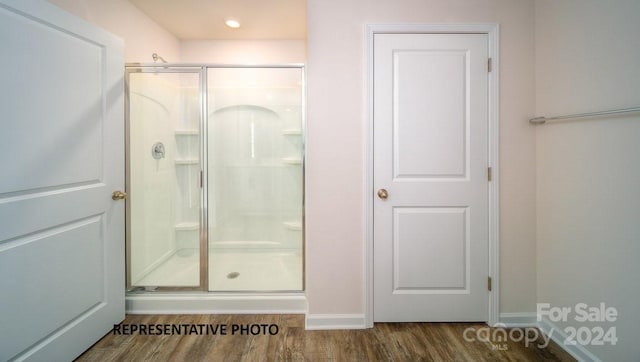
(233, 275)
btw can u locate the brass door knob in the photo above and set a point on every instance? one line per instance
(383, 194)
(119, 195)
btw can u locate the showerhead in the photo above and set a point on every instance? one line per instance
(155, 57)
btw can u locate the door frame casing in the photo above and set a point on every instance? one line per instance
(492, 32)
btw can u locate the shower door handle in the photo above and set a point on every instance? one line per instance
(119, 195)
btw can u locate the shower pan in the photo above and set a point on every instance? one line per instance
(215, 172)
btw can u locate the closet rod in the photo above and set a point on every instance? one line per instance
(542, 120)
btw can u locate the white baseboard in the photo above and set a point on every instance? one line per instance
(577, 351)
(334, 321)
(518, 320)
(203, 303)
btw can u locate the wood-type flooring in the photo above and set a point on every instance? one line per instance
(252, 341)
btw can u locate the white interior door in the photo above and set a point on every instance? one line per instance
(431, 160)
(61, 157)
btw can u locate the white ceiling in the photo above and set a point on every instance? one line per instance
(204, 19)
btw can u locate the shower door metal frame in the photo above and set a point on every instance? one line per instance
(204, 227)
(203, 239)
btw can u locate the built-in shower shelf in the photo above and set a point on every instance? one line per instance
(292, 225)
(187, 132)
(255, 165)
(292, 160)
(188, 162)
(187, 226)
(292, 132)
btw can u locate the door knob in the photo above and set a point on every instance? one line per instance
(119, 195)
(383, 194)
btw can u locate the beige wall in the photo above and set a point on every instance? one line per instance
(142, 36)
(582, 176)
(588, 184)
(336, 118)
(243, 51)
(335, 142)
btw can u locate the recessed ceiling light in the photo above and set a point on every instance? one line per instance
(232, 23)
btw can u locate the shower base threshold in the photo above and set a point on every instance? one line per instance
(216, 303)
(231, 270)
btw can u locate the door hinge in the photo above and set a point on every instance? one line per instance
(489, 65)
(489, 174)
(201, 178)
(489, 283)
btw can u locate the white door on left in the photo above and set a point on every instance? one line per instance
(61, 158)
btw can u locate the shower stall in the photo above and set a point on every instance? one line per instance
(215, 164)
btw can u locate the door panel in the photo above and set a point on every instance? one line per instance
(437, 266)
(430, 118)
(33, 70)
(430, 154)
(61, 149)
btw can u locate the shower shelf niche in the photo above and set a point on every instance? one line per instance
(292, 160)
(187, 226)
(188, 162)
(292, 132)
(187, 132)
(292, 225)
(259, 165)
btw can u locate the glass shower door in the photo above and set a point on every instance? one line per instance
(164, 116)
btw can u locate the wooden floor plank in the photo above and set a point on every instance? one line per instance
(384, 342)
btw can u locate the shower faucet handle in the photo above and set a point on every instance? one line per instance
(157, 150)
